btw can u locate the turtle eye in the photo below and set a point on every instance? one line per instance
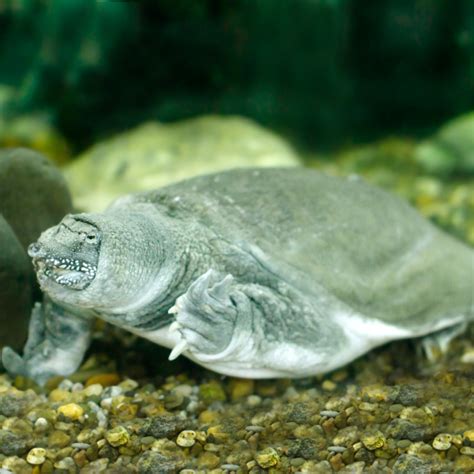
(92, 238)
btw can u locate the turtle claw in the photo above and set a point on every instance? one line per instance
(174, 309)
(178, 349)
(175, 326)
(13, 363)
(205, 315)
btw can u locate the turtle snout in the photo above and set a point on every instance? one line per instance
(36, 250)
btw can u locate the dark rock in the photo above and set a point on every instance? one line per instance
(15, 404)
(152, 462)
(303, 448)
(12, 444)
(409, 395)
(404, 429)
(299, 413)
(407, 463)
(162, 426)
(109, 452)
(16, 277)
(33, 193)
(33, 197)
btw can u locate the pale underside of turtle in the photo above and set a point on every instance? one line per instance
(251, 273)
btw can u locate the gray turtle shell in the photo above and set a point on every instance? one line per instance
(365, 246)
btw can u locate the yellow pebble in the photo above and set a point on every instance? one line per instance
(373, 441)
(442, 442)
(94, 389)
(186, 438)
(58, 395)
(329, 386)
(106, 380)
(240, 388)
(469, 435)
(36, 456)
(207, 417)
(73, 411)
(267, 458)
(217, 433)
(117, 436)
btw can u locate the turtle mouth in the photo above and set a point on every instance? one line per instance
(75, 274)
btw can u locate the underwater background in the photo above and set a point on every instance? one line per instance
(115, 97)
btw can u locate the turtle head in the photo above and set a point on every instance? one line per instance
(66, 256)
(104, 261)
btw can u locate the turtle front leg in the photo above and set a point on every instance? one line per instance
(205, 315)
(250, 330)
(57, 342)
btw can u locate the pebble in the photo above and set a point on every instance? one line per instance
(117, 436)
(468, 357)
(41, 424)
(73, 411)
(329, 386)
(105, 380)
(329, 413)
(186, 438)
(336, 449)
(230, 467)
(253, 400)
(442, 442)
(80, 445)
(93, 390)
(469, 435)
(267, 458)
(36, 456)
(240, 388)
(67, 463)
(212, 392)
(58, 439)
(208, 460)
(254, 428)
(373, 441)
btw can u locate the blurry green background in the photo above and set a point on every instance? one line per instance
(324, 73)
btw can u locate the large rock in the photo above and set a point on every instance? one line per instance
(33, 193)
(156, 154)
(34, 131)
(33, 197)
(451, 149)
(15, 288)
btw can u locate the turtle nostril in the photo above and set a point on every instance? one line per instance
(35, 250)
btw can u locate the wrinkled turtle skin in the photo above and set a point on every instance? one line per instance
(252, 273)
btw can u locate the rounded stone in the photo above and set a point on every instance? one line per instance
(373, 441)
(240, 388)
(450, 150)
(442, 442)
(267, 458)
(106, 380)
(16, 283)
(33, 193)
(117, 436)
(12, 444)
(73, 411)
(186, 438)
(58, 439)
(36, 456)
(156, 154)
(208, 460)
(469, 435)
